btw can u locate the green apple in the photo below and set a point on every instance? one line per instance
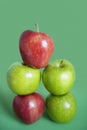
(58, 77)
(23, 79)
(61, 109)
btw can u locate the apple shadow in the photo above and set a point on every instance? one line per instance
(6, 101)
(45, 115)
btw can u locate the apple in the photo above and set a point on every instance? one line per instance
(58, 77)
(29, 108)
(35, 48)
(23, 79)
(61, 109)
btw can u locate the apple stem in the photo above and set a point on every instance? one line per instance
(37, 27)
(61, 63)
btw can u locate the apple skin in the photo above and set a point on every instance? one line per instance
(22, 79)
(58, 77)
(61, 109)
(35, 48)
(29, 108)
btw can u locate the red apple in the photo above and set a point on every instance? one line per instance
(36, 48)
(29, 108)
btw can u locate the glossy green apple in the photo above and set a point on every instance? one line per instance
(59, 77)
(23, 79)
(61, 108)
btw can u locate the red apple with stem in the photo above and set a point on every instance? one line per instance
(29, 108)
(36, 48)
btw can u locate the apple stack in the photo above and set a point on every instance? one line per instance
(36, 49)
(24, 78)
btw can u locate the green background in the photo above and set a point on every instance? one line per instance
(66, 22)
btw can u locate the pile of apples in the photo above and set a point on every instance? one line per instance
(36, 49)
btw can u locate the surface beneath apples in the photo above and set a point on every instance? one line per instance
(66, 22)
